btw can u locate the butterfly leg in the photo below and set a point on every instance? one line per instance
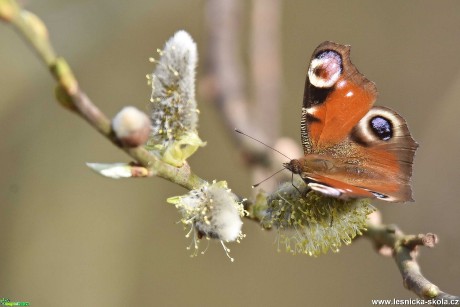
(332, 217)
(292, 182)
(303, 195)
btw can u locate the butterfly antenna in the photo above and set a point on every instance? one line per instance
(256, 185)
(241, 132)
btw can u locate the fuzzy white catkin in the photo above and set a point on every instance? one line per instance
(185, 52)
(224, 221)
(214, 211)
(173, 107)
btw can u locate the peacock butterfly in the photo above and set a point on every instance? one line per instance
(352, 149)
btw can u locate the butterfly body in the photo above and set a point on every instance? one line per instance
(351, 149)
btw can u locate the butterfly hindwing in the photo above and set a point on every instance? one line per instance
(334, 188)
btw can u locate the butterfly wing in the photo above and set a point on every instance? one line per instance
(351, 148)
(335, 188)
(336, 97)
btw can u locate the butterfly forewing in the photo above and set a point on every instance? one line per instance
(336, 97)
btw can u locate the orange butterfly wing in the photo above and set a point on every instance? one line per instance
(331, 110)
(351, 149)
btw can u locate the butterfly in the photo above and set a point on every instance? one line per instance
(351, 149)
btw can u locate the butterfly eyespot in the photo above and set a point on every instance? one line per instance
(381, 127)
(325, 69)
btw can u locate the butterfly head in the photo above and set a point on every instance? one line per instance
(294, 166)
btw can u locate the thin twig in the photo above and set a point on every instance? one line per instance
(404, 250)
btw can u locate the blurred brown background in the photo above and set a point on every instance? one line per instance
(72, 238)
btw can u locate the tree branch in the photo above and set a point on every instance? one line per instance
(225, 81)
(72, 97)
(266, 67)
(389, 240)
